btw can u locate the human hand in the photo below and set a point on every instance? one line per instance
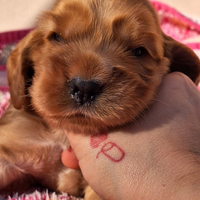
(156, 157)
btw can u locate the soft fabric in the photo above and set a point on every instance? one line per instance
(45, 195)
(173, 23)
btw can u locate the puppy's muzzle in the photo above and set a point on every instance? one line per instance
(84, 92)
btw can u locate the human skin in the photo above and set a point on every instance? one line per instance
(156, 157)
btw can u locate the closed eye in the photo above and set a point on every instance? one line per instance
(56, 37)
(138, 51)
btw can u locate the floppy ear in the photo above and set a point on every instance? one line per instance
(20, 70)
(182, 59)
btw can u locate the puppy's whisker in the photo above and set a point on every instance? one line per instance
(164, 103)
(143, 109)
(140, 102)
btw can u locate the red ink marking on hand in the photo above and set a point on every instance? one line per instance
(112, 151)
(96, 140)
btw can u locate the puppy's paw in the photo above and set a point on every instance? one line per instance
(72, 182)
(90, 194)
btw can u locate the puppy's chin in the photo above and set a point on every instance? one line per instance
(79, 125)
(84, 125)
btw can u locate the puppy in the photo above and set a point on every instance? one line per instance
(90, 66)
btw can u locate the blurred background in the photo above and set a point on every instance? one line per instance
(22, 14)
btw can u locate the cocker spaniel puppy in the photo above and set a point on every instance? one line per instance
(88, 67)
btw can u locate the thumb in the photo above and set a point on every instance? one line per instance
(79, 149)
(69, 159)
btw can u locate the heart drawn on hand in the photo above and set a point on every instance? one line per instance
(96, 140)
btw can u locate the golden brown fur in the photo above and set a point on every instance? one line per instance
(116, 45)
(30, 155)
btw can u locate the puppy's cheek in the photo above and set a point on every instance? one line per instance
(49, 93)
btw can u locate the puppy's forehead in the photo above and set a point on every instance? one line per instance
(79, 15)
(130, 22)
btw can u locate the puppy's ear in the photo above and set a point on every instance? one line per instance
(20, 70)
(182, 59)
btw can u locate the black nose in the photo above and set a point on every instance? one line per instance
(84, 92)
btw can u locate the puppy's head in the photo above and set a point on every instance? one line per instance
(91, 65)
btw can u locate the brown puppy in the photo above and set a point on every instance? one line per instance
(89, 66)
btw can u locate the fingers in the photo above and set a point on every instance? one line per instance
(177, 86)
(79, 144)
(69, 159)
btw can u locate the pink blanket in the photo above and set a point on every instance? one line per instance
(173, 23)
